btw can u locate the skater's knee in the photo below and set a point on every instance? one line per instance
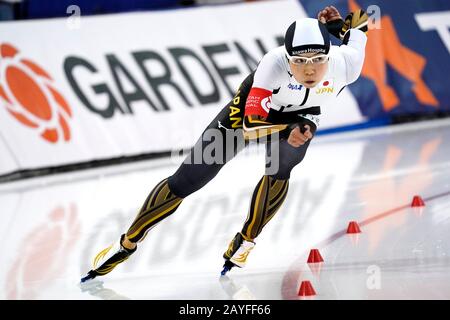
(282, 169)
(190, 178)
(183, 185)
(176, 186)
(281, 175)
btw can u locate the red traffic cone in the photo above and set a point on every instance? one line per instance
(306, 289)
(417, 202)
(314, 256)
(353, 227)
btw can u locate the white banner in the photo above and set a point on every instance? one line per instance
(74, 90)
(7, 163)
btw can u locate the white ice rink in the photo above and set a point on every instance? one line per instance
(52, 227)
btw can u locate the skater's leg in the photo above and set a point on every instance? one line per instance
(160, 204)
(162, 201)
(218, 144)
(268, 196)
(192, 175)
(195, 171)
(225, 132)
(281, 158)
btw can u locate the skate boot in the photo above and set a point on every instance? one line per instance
(107, 259)
(237, 252)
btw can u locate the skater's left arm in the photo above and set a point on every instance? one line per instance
(353, 53)
(353, 33)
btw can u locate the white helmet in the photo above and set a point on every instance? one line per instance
(307, 35)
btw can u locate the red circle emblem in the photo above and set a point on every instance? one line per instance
(326, 83)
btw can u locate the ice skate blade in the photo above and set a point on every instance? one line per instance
(227, 267)
(224, 271)
(88, 277)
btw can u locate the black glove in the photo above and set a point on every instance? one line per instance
(335, 27)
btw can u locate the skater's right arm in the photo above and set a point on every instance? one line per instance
(259, 99)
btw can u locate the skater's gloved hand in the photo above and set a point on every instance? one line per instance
(298, 138)
(331, 17)
(329, 14)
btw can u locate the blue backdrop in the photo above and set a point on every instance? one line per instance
(407, 70)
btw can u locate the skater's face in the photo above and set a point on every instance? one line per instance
(309, 72)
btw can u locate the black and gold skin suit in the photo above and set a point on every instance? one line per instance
(270, 191)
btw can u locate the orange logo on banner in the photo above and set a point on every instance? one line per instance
(30, 97)
(384, 47)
